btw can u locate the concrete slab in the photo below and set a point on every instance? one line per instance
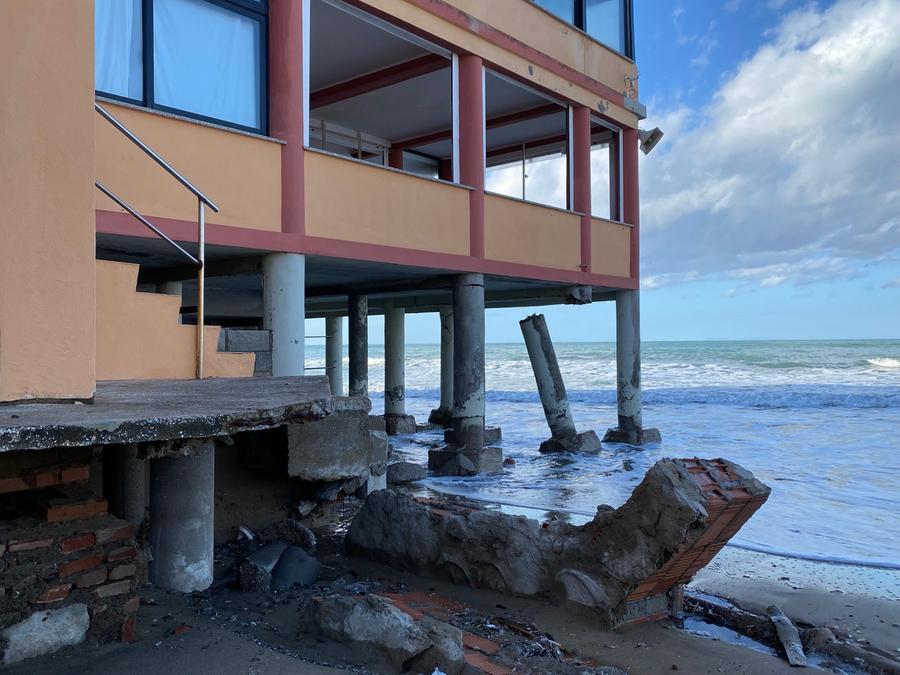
(137, 411)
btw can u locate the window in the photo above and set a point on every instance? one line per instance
(536, 173)
(604, 173)
(202, 58)
(607, 21)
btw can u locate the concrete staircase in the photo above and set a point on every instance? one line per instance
(139, 336)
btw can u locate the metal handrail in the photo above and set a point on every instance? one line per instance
(162, 235)
(202, 202)
(109, 117)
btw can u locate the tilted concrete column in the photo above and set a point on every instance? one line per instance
(396, 421)
(284, 311)
(443, 414)
(182, 495)
(552, 390)
(334, 353)
(358, 347)
(628, 373)
(124, 482)
(468, 360)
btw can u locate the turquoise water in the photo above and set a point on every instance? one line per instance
(818, 421)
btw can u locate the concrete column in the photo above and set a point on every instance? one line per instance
(124, 482)
(358, 336)
(394, 361)
(468, 360)
(552, 390)
(284, 311)
(443, 414)
(628, 373)
(334, 353)
(470, 107)
(182, 495)
(581, 178)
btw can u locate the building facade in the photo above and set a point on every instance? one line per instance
(340, 157)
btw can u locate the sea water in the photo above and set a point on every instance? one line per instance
(817, 421)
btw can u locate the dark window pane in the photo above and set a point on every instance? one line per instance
(206, 60)
(118, 48)
(564, 9)
(606, 22)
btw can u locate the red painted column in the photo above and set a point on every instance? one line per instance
(445, 171)
(581, 178)
(395, 158)
(286, 109)
(471, 145)
(631, 194)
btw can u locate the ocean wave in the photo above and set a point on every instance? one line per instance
(885, 363)
(783, 396)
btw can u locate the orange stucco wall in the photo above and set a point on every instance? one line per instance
(520, 232)
(241, 173)
(358, 202)
(139, 336)
(610, 248)
(47, 199)
(530, 25)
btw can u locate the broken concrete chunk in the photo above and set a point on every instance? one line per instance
(291, 531)
(457, 465)
(335, 448)
(405, 472)
(375, 623)
(45, 632)
(789, 637)
(445, 654)
(594, 567)
(256, 569)
(586, 441)
(380, 448)
(294, 567)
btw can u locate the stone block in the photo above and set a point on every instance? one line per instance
(376, 423)
(380, 448)
(335, 448)
(263, 362)
(399, 424)
(45, 632)
(237, 340)
(486, 460)
(405, 472)
(586, 441)
(632, 436)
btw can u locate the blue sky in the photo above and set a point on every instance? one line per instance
(771, 209)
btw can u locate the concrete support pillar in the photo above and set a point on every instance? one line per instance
(552, 390)
(443, 414)
(468, 360)
(334, 353)
(396, 421)
(470, 107)
(284, 311)
(358, 347)
(182, 499)
(628, 373)
(124, 482)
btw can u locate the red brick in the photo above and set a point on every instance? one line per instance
(122, 571)
(75, 474)
(80, 565)
(63, 510)
(97, 576)
(115, 533)
(132, 604)
(129, 629)
(54, 594)
(78, 543)
(115, 588)
(29, 545)
(33, 479)
(123, 553)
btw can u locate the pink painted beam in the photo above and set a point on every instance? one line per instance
(631, 194)
(581, 178)
(378, 80)
(471, 145)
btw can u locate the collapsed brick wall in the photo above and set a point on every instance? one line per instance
(59, 547)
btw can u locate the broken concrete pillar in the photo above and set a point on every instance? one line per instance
(552, 390)
(395, 418)
(124, 482)
(182, 494)
(358, 344)
(443, 414)
(628, 374)
(675, 521)
(334, 353)
(284, 311)
(468, 360)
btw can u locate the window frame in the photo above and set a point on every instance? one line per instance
(580, 11)
(258, 11)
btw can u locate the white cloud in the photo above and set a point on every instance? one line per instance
(791, 173)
